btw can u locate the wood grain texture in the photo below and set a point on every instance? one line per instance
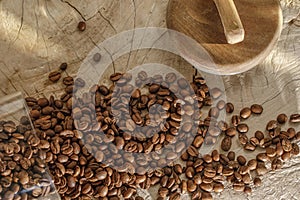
(199, 19)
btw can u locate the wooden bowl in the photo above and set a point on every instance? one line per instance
(199, 19)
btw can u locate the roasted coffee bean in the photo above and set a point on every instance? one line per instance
(295, 118)
(218, 187)
(206, 196)
(229, 108)
(295, 149)
(252, 164)
(249, 146)
(259, 135)
(242, 128)
(261, 169)
(163, 192)
(231, 155)
(286, 156)
(271, 152)
(242, 160)
(207, 158)
(231, 131)
(208, 187)
(257, 181)
(245, 113)
(191, 186)
(247, 190)
(215, 155)
(272, 125)
(81, 26)
(282, 118)
(226, 143)
(227, 171)
(235, 120)
(276, 164)
(262, 157)
(239, 186)
(256, 109)
(54, 76)
(286, 145)
(63, 66)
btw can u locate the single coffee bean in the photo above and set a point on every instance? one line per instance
(54, 76)
(229, 108)
(207, 158)
(235, 120)
(215, 155)
(286, 156)
(231, 155)
(246, 179)
(272, 125)
(191, 186)
(257, 181)
(221, 104)
(226, 143)
(282, 118)
(242, 160)
(206, 196)
(256, 109)
(208, 187)
(81, 26)
(245, 113)
(262, 157)
(271, 152)
(254, 141)
(261, 169)
(242, 128)
(286, 145)
(68, 81)
(295, 118)
(218, 187)
(231, 132)
(239, 186)
(252, 164)
(63, 66)
(247, 190)
(259, 135)
(295, 149)
(227, 171)
(276, 164)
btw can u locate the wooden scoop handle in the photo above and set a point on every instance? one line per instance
(233, 27)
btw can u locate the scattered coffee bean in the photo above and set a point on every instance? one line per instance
(245, 113)
(272, 125)
(242, 128)
(81, 26)
(229, 108)
(295, 118)
(282, 118)
(226, 143)
(54, 76)
(256, 109)
(63, 66)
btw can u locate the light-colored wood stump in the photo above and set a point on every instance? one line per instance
(199, 19)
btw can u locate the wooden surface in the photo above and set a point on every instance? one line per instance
(199, 19)
(36, 36)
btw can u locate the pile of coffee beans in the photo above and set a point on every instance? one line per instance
(23, 172)
(112, 139)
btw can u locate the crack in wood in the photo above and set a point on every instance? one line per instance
(74, 8)
(108, 21)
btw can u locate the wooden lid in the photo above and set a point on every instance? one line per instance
(199, 19)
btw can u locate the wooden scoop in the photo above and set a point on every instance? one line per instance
(233, 27)
(237, 35)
